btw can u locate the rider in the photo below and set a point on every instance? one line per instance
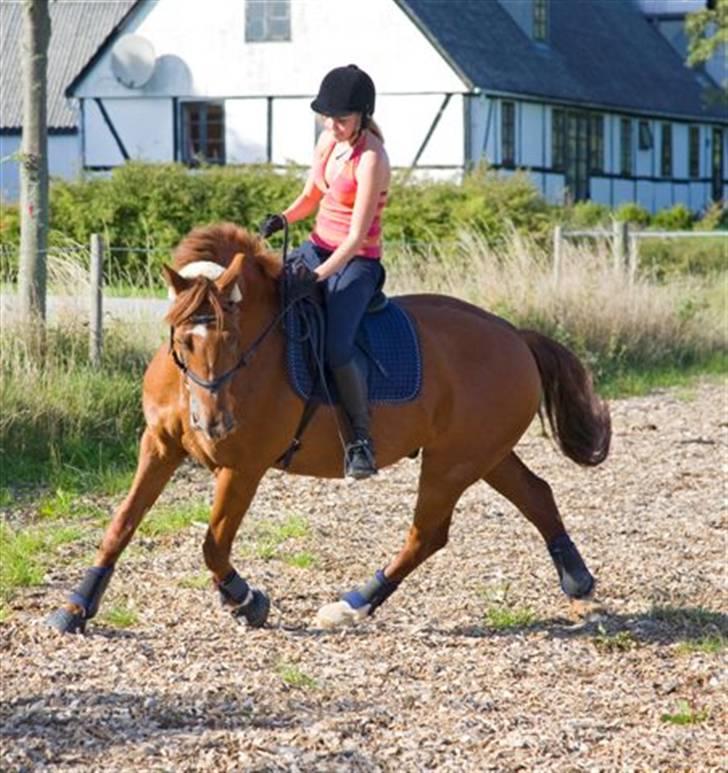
(348, 185)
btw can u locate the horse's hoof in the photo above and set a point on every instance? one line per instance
(65, 621)
(339, 614)
(255, 612)
(576, 580)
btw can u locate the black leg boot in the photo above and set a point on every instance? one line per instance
(352, 387)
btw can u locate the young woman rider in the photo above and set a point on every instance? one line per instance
(347, 187)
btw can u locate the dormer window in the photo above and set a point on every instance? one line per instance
(540, 20)
(267, 20)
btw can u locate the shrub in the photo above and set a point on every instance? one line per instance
(633, 213)
(677, 218)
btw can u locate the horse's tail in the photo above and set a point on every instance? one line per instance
(578, 417)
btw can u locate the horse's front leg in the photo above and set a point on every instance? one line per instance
(158, 459)
(234, 491)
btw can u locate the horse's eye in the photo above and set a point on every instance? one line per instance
(187, 343)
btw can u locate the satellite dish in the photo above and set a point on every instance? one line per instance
(133, 60)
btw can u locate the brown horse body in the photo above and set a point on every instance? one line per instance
(483, 382)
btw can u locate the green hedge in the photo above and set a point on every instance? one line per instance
(147, 208)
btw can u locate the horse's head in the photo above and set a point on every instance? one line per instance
(205, 339)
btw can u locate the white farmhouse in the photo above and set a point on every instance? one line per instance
(588, 95)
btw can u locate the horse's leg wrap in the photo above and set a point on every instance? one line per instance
(374, 593)
(248, 603)
(87, 596)
(576, 580)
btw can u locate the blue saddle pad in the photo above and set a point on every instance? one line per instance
(387, 341)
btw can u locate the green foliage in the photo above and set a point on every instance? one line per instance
(65, 415)
(292, 675)
(23, 551)
(587, 214)
(677, 218)
(633, 213)
(170, 520)
(119, 616)
(713, 644)
(270, 539)
(685, 715)
(621, 641)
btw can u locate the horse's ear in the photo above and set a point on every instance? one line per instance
(227, 284)
(175, 282)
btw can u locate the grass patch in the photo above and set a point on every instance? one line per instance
(504, 618)
(501, 614)
(120, 616)
(24, 552)
(622, 641)
(64, 504)
(271, 537)
(685, 715)
(302, 560)
(199, 581)
(707, 645)
(170, 520)
(292, 675)
(5, 613)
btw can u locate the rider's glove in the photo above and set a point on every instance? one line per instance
(302, 282)
(271, 224)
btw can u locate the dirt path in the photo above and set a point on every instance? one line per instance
(429, 683)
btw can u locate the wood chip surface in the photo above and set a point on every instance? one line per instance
(428, 683)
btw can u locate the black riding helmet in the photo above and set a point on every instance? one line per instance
(345, 90)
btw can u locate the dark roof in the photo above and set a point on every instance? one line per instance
(604, 53)
(78, 28)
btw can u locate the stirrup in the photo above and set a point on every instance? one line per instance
(360, 460)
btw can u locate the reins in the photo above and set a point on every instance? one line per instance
(205, 319)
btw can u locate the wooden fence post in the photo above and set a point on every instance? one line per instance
(557, 252)
(620, 239)
(96, 317)
(634, 257)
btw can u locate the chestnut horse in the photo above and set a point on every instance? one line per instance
(220, 394)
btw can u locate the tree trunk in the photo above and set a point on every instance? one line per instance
(34, 163)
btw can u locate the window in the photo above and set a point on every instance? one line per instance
(596, 143)
(267, 20)
(540, 20)
(666, 151)
(508, 134)
(625, 165)
(645, 136)
(558, 139)
(203, 133)
(694, 152)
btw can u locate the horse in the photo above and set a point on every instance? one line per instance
(219, 393)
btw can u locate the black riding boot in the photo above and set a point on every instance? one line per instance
(352, 387)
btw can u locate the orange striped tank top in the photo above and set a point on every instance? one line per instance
(333, 220)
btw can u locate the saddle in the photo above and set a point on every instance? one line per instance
(387, 345)
(387, 349)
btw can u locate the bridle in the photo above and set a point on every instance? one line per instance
(205, 319)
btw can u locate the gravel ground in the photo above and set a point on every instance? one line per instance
(430, 682)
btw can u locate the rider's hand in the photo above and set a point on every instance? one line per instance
(302, 282)
(271, 224)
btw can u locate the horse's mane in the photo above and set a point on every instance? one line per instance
(219, 244)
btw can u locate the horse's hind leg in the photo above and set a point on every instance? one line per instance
(441, 485)
(534, 498)
(157, 461)
(234, 491)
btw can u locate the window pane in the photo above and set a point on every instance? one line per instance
(254, 30)
(596, 144)
(694, 161)
(508, 133)
(626, 147)
(557, 139)
(279, 29)
(666, 165)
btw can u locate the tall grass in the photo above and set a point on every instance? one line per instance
(615, 325)
(69, 424)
